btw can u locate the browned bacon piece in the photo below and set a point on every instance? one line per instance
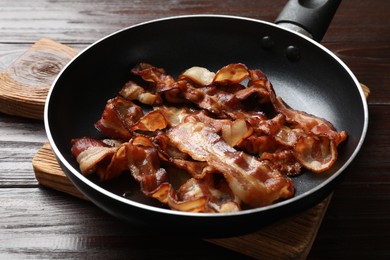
(307, 122)
(95, 156)
(133, 91)
(157, 76)
(258, 144)
(212, 127)
(144, 164)
(317, 154)
(284, 161)
(257, 85)
(199, 195)
(252, 181)
(203, 195)
(314, 140)
(231, 74)
(217, 195)
(211, 98)
(118, 117)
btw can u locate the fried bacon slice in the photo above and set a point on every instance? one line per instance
(231, 74)
(199, 75)
(157, 76)
(152, 121)
(252, 181)
(307, 122)
(257, 85)
(314, 139)
(315, 153)
(205, 144)
(217, 195)
(284, 160)
(133, 91)
(97, 156)
(118, 117)
(144, 164)
(195, 195)
(205, 195)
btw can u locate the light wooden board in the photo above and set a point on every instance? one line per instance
(290, 238)
(25, 83)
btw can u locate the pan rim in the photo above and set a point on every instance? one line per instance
(132, 203)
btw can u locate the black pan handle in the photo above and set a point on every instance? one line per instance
(309, 17)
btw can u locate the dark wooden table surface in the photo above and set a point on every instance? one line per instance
(36, 222)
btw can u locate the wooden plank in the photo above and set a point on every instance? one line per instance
(286, 239)
(40, 223)
(87, 21)
(20, 139)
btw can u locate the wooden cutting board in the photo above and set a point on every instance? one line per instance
(23, 89)
(25, 83)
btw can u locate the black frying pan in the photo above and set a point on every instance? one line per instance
(304, 73)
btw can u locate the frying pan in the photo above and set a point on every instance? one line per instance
(304, 73)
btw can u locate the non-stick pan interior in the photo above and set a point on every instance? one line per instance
(312, 80)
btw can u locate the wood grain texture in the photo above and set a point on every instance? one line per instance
(286, 239)
(24, 84)
(36, 223)
(20, 139)
(49, 173)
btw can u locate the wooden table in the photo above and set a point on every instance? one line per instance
(36, 222)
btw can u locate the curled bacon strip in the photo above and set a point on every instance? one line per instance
(199, 75)
(250, 180)
(316, 154)
(118, 117)
(233, 73)
(257, 85)
(314, 140)
(133, 91)
(95, 156)
(215, 150)
(144, 164)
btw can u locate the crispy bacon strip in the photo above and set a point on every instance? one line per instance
(152, 121)
(217, 116)
(133, 91)
(258, 144)
(144, 164)
(118, 117)
(196, 195)
(284, 161)
(314, 139)
(217, 195)
(233, 131)
(199, 75)
(309, 123)
(252, 181)
(193, 196)
(154, 75)
(95, 156)
(196, 169)
(211, 98)
(161, 118)
(257, 85)
(231, 74)
(167, 195)
(317, 154)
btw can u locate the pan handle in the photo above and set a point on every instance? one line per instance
(308, 17)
